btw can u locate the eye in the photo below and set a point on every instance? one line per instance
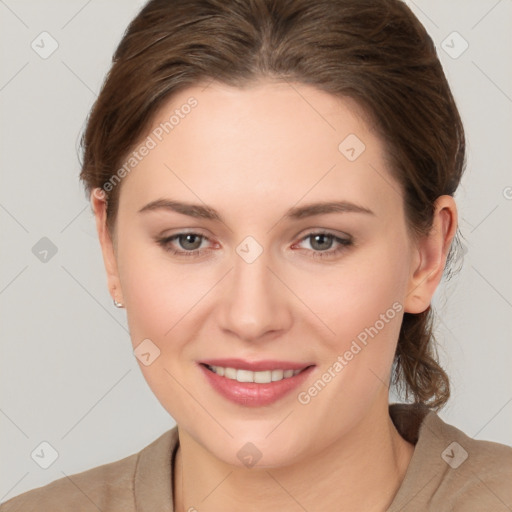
(322, 242)
(190, 244)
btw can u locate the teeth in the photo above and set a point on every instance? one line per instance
(277, 375)
(229, 373)
(244, 376)
(264, 377)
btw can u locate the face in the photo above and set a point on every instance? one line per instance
(260, 277)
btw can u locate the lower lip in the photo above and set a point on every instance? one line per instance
(252, 394)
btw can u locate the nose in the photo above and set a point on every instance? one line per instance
(256, 304)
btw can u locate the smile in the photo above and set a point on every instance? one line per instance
(254, 384)
(263, 377)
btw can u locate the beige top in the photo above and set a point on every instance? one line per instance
(449, 471)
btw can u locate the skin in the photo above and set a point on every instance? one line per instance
(251, 154)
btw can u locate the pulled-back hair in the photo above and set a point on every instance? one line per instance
(375, 52)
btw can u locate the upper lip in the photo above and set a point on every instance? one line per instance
(256, 366)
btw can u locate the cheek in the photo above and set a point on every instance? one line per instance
(362, 304)
(157, 292)
(353, 296)
(160, 299)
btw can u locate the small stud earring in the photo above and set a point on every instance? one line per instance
(118, 304)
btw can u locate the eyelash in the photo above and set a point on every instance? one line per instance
(343, 242)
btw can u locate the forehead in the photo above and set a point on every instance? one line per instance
(272, 141)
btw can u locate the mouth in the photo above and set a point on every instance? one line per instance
(254, 384)
(261, 377)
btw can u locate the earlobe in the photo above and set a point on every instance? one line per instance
(431, 252)
(99, 206)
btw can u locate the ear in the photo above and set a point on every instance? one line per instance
(431, 252)
(99, 206)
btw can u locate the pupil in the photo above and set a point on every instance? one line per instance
(322, 238)
(189, 239)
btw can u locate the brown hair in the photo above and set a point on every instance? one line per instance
(373, 51)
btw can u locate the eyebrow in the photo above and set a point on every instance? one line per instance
(298, 212)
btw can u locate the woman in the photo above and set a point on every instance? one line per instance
(230, 142)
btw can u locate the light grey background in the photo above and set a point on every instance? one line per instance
(68, 376)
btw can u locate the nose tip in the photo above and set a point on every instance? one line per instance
(254, 304)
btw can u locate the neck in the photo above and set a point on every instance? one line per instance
(361, 471)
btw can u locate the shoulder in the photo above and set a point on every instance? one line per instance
(110, 487)
(477, 473)
(94, 489)
(450, 471)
